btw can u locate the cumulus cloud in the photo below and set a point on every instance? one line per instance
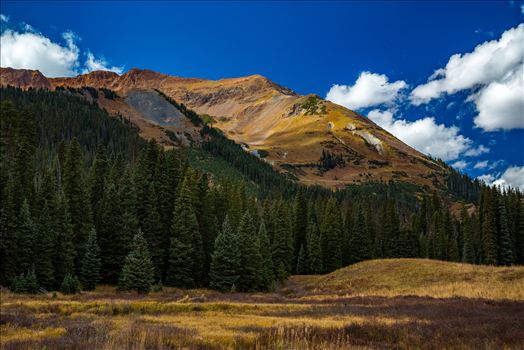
(370, 89)
(513, 177)
(500, 105)
(460, 164)
(475, 152)
(30, 49)
(92, 64)
(495, 69)
(426, 135)
(481, 165)
(34, 51)
(4, 18)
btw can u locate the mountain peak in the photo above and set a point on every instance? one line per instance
(23, 78)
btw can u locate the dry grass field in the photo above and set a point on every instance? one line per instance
(383, 304)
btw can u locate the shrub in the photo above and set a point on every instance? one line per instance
(70, 285)
(25, 284)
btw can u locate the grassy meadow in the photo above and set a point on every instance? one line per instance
(393, 304)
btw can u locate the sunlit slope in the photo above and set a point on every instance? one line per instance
(292, 130)
(421, 277)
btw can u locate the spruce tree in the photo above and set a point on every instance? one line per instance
(64, 248)
(299, 224)
(185, 257)
(138, 271)
(97, 181)
(360, 241)
(505, 251)
(26, 238)
(281, 250)
(91, 264)
(488, 229)
(315, 253)
(331, 234)
(251, 268)
(44, 250)
(225, 260)
(154, 232)
(8, 234)
(268, 274)
(70, 285)
(468, 249)
(302, 264)
(77, 199)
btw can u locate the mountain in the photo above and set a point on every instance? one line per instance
(316, 140)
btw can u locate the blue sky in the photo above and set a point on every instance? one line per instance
(381, 55)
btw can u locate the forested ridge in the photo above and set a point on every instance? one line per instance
(85, 201)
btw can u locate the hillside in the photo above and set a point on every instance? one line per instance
(317, 141)
(420, 277)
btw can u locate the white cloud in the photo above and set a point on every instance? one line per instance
(512, 177)
(92, 64)
(481, 165)
(487, 178)
(4, 18)
(475, 152)
(500, 105)
(30, 49)
(460, 164)
(370, 89)
(495, 68)
(426, 135)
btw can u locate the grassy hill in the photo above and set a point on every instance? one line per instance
(420, 277)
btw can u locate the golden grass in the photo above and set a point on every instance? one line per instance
(9, 333)
(359, 307)
(421, 277)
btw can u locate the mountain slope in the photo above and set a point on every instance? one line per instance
(316, 140)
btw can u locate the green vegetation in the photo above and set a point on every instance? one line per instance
(313, 105)
(84, 203)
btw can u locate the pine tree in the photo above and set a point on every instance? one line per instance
(97, 181)
(302, 263)
(26, 238)
(360, 242)
(282, 250)
(505, 251)
(8, 234)
(468, 251)
(90, 273)
(154, 232)
(268, 274)
(315, 253)
(185, 257)
(138, 271)
(76, 195)
(225, 260)
(251, 268)
(70, 285)
(299, 224)
(64, 248)
(44, 250)
(488, 229)
(331, 233)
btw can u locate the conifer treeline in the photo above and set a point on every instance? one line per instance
(157, 220)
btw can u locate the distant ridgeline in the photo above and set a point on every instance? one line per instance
(84, 198)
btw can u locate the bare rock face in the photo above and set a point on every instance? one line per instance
(23, 78)
(290, 128)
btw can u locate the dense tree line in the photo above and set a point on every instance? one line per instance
(85, 215)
